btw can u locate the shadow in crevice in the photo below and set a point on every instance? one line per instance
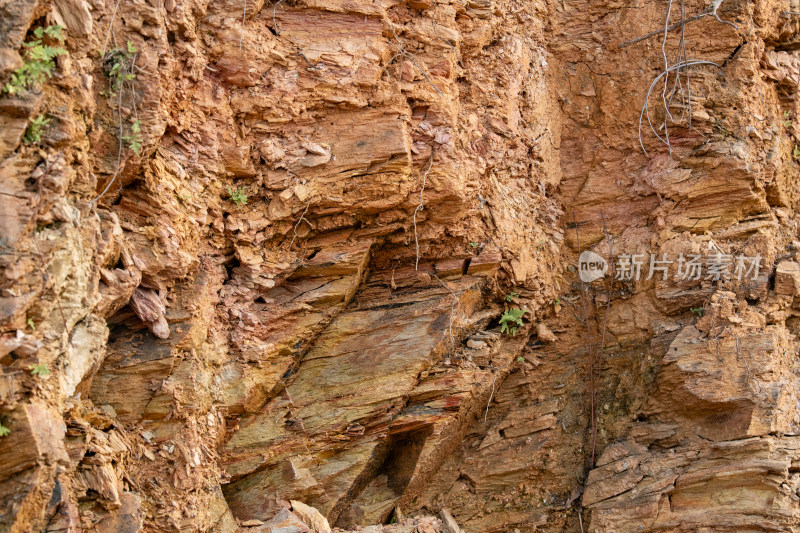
(401, 459)
(386, 483)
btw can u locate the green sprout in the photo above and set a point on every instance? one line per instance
(520, 359)
(697, 311)
(4, 431)
(39, 370)
(34, 132)
(31, 324)
(118, 66)
(510, 296)
(134, 140)
(511, 321)
(238, 196)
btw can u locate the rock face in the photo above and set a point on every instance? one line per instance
(315, 265)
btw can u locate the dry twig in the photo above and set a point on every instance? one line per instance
(590, 345)
(241, 34)
(609, 294)
(420, 207)
(491, 395)
(452, 305)
(711, 11)
(408, 55)
(302, 218)
(119, 150)
(110, 25)
(646, 110)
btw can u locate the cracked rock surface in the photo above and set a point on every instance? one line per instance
(259, 267)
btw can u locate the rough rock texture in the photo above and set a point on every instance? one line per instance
(254, 268)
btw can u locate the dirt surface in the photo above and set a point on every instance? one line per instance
(261, 262)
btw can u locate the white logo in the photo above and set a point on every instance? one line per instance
(591, 266)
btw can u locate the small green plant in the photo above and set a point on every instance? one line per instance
(520, 359)
(796, 152)
(39, 60)
(474, 245)
(557, 301)
(4, 431)
(511, 296)
(787, 119)
(697, 311)
(39, 370)
(134, 140)
(511, 321)
(31, 324)
(34, 132)
(238, 196)
(118, 67)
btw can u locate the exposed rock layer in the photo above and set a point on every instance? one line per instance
(254, 268)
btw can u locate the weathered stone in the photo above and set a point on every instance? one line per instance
(75, 16)
(86, 350)
(148, 307)
(14, 115)
(544, 334)
(127, 519)
(787, 278)
(312, 518)
(283, 522)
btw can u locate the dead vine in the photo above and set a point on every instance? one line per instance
(711, 11)
(491, 395)
(296, 226)
(674, 86)
(110, 26)
(739, 354)
(452, 305)
(420, 207)
(590, 346)
(244, 15)
(408, 55)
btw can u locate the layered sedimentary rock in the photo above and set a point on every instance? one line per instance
(259, 263)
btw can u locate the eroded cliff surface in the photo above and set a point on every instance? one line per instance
(258, 254)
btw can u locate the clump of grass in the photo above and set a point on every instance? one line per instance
(39, 60)
(4, 431)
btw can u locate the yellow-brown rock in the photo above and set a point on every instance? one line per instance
(314, 265)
